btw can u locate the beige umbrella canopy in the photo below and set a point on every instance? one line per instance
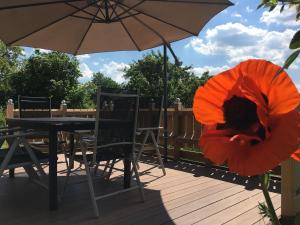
(87, 26)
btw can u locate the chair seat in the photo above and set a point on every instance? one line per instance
(21, 156)
(104, 156)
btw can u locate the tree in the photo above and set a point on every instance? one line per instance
(295, 42)
(146, 75)
(9, 63)
(82, 96)
(99, 79)
(51, 74)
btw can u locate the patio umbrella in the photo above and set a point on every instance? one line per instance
(89, 26)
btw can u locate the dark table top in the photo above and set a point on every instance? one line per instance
(63, 123)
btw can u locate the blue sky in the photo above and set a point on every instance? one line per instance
(236, 34)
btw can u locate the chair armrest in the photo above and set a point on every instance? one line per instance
(20, 133)
(10, 129)
(148, 129)
(114, 144)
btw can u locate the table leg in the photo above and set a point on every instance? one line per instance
(11, 173)
(72, 149)
(53, 169)
(127, 171)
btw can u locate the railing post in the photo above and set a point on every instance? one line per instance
(290, 192)
(63, 108)
(10, 108)
(178, 108)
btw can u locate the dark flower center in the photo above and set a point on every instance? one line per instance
(240, 113)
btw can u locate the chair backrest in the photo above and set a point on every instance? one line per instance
(150, 112)
(34, 106)
(120, 107)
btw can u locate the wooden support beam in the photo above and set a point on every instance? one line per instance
(290, 192)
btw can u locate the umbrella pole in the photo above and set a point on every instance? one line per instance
(165, 105)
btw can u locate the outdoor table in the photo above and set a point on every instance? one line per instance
(55, 124)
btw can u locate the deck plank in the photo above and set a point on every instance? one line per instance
(187, 194)
(252, 216)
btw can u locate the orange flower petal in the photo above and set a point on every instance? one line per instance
(209, 99)
(257, 159)
(281, 92)
(217, 149)
(296, 155)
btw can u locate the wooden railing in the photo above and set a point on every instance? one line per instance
(184, 132)
(183, 129)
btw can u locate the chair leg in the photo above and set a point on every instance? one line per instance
(138, 181)
(141, 149)
(70, 166)
(96, 168)
(33, 157)
(66, 159)
(110, 169)
(8, 156)
(158, 153)
(69, 170)
(105, 168)
(90, 183)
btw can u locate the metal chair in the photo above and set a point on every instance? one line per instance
(36, 107)
(150, 112)
(112, 142)
(16, 152)
(39, 107)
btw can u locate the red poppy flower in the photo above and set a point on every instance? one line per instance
(250, 117)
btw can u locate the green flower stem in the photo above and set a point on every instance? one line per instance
(265, 180)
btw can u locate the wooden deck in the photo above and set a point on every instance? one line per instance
(188, 194)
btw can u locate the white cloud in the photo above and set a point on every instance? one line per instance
(213, 70)
(249, 10)
(83, 57)
(44, 50)
(238, 42)
(236, 15)
(86, 72)
(114, 70)
(286, 18)
(95, 63)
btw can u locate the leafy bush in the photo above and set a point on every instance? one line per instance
(2, 118)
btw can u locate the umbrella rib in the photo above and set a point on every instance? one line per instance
(146, 25)
(129, 8)
(49, 24)
(153, 17)
(85, 18)
(127, 31)
(124, 17)
(194, 2)
(89, 27)
(75, 7)
(36, 4)
(101, 9)
(113, 9)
